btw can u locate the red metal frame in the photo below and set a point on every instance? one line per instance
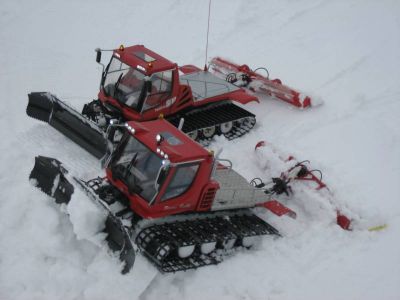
(278, 208)
(273, 88)
(309, 176)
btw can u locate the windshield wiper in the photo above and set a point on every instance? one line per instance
(117, 84)
(130, 165)
(133, 187)
(121, 173)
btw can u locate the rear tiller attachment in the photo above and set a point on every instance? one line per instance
(280, 185)
(243, 76)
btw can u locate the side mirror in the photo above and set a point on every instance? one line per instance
(98, 55)
(112, 141)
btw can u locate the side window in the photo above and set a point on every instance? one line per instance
(183, 178)
(161, 85)
(161, 82)
(115, 69)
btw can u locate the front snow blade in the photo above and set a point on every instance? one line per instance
(48, 108)
(48, 175)
(118, 240)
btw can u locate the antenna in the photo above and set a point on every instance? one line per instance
(208, 30)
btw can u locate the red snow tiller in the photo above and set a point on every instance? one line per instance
(242, 75)
(300, 171)
(140, 85)
(165, 195)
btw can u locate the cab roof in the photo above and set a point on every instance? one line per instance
(175, 144)
(144, 59)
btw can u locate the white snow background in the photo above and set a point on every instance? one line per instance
(346, 52)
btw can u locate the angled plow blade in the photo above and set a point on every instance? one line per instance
(48, 108)
(50, 177)
(118, 239)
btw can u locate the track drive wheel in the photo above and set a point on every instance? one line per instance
(209, 132)
(193, 134)
(207, 248)
(227, 244)
(186, 251)
(225, 128)
(249, 241)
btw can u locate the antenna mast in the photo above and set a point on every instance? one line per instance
(208, 30)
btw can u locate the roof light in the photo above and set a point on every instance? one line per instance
(130, 128)
(159, 139)
(121, 47)
(139, 67)
(162, 153)
(166, 156)
(158, 150)
(165, 162)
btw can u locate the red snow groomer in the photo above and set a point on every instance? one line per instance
(167, 196)
(140, 85)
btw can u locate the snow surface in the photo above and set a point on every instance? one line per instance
(346, 52)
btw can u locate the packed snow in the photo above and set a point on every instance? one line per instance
(347, 53)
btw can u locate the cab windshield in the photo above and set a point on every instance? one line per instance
(136, 166)
(123, 83)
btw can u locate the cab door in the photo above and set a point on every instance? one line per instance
(179, 193)
(158, 99)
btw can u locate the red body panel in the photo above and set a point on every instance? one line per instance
(132, 57)
(278, 208)
(187, 150)
(188, 69)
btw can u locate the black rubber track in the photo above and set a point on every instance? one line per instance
(160, 243)
(210, 116)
